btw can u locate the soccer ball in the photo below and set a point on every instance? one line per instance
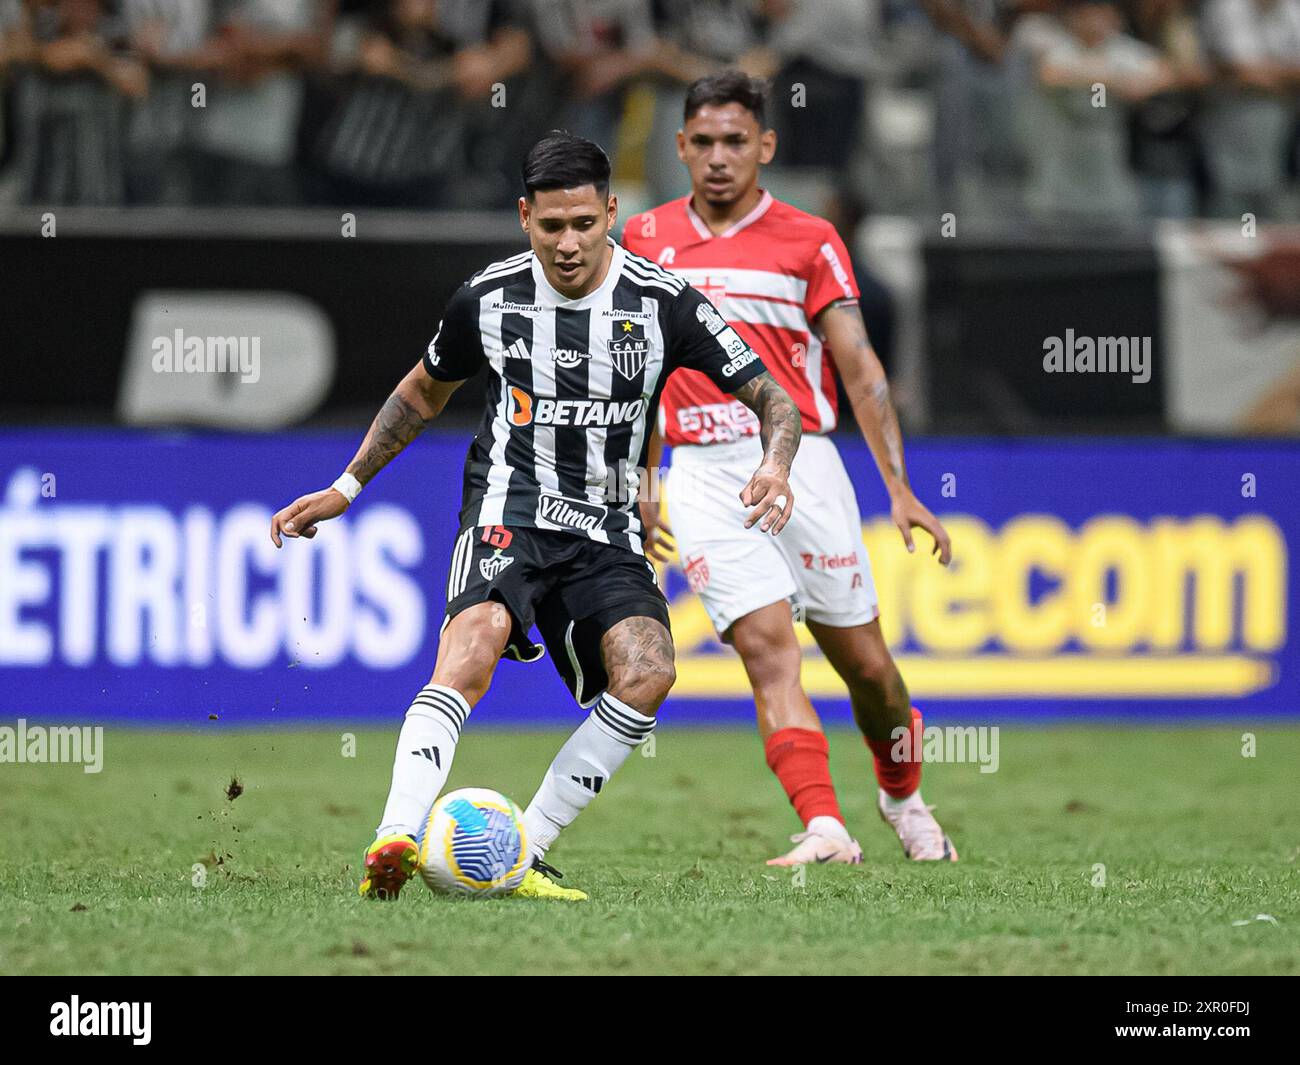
(474, 844)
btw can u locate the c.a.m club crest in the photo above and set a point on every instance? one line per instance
(628, 347)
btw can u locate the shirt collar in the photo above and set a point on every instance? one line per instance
(760, 209)
(549, 296)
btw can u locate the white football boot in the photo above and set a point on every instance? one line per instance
(812, 848)
(922, 838)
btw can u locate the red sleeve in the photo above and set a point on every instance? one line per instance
(830, 275)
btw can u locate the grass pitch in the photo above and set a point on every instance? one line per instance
(101, 873)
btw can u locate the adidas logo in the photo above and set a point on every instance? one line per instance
(592, 784)
(517, 350)
(431, 753)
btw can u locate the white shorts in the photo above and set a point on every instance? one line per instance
(818, 562)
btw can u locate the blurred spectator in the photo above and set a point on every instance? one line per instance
(247, 133)
(823, 53)
(501, 128)
(1165, 149)
(14, 41)
(1037, 29)
(598, 46)
(693, 38)
(1250, 113)
(430, 103)
(976, 25)
(72, 105)
(171, 36)
(398, 132)
(977, 166)
(1079, 168)
(714, 33)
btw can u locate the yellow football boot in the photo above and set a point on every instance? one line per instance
(538, 884)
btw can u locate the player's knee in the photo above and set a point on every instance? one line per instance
(470, 678)
(772, 658)
(467, 662)
(646, 686)
(871, 676)
(773, 674)
(638, 656)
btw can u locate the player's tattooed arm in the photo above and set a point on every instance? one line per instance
(842, 329)
(780, 429)
(778, 418)
(415, 402)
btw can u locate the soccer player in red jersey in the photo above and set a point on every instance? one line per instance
(782, 279)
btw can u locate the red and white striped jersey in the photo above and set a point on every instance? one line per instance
(769, 276)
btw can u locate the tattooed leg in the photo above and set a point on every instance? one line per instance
(638, 656)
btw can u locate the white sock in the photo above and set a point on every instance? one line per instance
(425, 748)
(893, 805)
(583, 767)
(825, 825)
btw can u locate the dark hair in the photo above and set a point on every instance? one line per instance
(728, 87)
(562, 161)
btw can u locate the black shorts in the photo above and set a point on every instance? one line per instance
(573, 588)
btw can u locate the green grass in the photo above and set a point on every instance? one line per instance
(1193, 837)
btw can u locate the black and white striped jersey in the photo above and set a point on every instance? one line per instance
(573, 389)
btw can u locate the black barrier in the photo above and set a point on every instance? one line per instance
(996, 309)
(75, 281)
(67, 301)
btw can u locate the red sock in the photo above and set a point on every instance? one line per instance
(800, 759)
(899, 779)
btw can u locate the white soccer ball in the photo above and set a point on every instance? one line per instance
(474, 844)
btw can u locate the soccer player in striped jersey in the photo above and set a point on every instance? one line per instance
(579, 336)
(782, 279)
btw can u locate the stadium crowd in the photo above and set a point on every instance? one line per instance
(1060, 111)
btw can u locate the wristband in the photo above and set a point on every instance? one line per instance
(347, 486)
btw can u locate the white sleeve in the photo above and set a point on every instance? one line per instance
(1128, 55)
(1229, 32)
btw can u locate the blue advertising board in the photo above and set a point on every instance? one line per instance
(1131, 578)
